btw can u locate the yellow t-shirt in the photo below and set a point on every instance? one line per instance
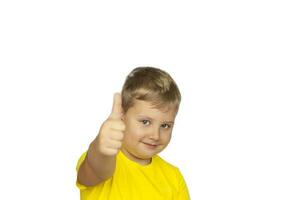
(132, 181)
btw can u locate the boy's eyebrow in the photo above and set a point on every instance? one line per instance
(171, 122)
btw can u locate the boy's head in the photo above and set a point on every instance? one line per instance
(150, 102)
(152, 85)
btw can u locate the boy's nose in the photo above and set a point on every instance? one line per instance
(155, 134)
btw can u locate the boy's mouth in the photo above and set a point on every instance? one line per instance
(150, 145)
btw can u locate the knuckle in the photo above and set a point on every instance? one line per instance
(118, 125)
(105, 125)
(121, 136)
(122, 126)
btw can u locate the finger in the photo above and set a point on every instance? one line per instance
(114, 144)
(116, 135)
(111, 152)
(117, 125)
(116, 112)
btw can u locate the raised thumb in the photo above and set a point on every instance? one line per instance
(116, 112)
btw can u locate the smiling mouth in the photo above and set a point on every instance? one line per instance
(150, 145)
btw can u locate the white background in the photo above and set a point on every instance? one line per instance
(61, 62)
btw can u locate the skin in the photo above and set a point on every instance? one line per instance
(148, 131)
(140, 133)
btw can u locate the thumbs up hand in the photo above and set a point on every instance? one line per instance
(109, 139)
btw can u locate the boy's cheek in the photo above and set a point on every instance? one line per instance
(167, 138)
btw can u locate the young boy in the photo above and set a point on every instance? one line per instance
(122, 161)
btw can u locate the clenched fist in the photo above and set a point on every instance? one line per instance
(109, 139)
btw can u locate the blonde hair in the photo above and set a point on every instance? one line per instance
(150, 84)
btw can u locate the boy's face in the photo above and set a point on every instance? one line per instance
(148, 131)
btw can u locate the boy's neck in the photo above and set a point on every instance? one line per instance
(134, 158)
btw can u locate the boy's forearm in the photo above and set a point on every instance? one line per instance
(96, 167)
(102, 165)
(99, 163)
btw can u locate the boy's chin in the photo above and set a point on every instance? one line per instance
(143, 152)
(147, 154)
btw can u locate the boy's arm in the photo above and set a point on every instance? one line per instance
(96, 167)
(99, 163)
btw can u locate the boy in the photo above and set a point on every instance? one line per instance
(122, 161)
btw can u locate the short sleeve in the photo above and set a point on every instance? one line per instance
(79, 162)
(183, 193)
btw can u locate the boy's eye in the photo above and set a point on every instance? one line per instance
(145, 122)
(166, 126)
